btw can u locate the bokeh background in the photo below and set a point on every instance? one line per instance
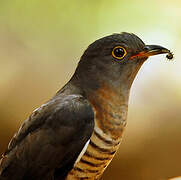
(40, 44)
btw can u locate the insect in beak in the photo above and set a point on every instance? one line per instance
(151, 50)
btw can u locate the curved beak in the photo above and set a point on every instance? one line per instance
(151, 50)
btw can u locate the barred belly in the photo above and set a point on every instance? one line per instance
(110, 109)
(99, 153)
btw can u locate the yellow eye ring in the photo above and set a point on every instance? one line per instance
(119, 52)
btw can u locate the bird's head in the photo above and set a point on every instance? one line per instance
(114, 60)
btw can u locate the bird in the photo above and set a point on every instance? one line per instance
(75, 134)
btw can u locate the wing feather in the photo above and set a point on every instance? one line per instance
(49, 141)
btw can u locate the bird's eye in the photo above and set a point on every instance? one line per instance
(119, 52)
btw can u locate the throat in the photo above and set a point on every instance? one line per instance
(110, 107)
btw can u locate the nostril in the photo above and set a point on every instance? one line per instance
(146, 48)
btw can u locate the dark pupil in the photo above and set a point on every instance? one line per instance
(119, 52)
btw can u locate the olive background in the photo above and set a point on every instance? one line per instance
(41, 42)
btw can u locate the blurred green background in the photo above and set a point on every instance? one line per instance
(40, 44)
